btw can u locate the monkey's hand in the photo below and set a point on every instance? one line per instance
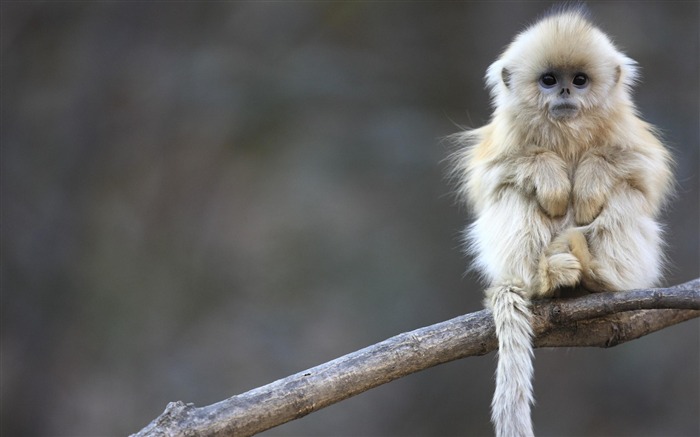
(594, 179)
(544, 174)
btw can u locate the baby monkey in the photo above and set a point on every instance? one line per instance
(565, 181)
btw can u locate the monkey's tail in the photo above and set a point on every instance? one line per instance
(510, 408)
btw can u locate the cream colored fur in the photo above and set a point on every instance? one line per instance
(558, 202)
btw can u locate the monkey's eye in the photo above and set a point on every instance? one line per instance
(548, 80)
(580, 80)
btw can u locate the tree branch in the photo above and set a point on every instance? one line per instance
(603, 320)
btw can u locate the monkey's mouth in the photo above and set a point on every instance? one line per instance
(563, 110)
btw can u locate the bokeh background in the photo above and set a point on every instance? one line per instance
(199, 198)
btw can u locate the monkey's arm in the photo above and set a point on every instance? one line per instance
(596, 174)
(617, 194)
(516, 199)
(543, 174)
(643, 167)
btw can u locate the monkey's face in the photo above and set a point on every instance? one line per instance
(562, 71)
(561, 89)
(563, 92)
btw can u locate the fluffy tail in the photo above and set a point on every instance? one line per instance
(510, 409)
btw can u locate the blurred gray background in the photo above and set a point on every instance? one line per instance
(201, 198)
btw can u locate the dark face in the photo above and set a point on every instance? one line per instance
(564, 91)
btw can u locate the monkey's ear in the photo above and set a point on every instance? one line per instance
(505, 76)
(626, 71)
(498, 78)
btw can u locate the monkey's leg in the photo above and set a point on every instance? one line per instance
(509, 237)
(624, 243)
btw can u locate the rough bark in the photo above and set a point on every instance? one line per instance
(602, 320)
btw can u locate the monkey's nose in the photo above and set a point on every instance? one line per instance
(564, 90)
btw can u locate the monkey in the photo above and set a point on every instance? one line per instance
(565, 183)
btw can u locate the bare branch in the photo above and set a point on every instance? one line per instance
(603, 320)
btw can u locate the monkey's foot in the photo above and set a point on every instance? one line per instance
(564, 262)
(558, 270)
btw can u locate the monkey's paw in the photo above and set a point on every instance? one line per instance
(554, 201)
(563, 262)
(545, 174)
(587, 208)
(558, 270)
(552, 188)
(564, 269)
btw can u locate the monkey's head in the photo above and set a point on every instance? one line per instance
(562, 70)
